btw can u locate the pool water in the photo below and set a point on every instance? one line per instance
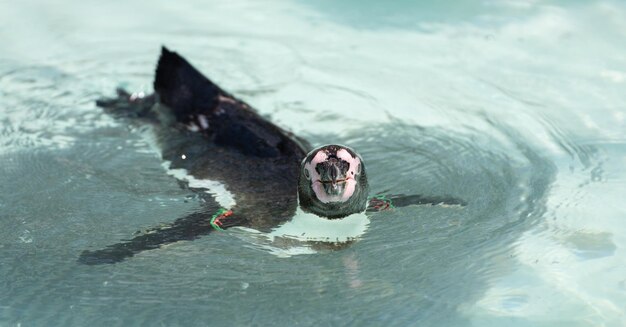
(517, 107)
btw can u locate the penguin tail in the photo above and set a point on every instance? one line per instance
(127, 105)
(182, 88)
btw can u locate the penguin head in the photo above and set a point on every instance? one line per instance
(333, 182)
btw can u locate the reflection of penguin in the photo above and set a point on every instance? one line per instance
(212, 136)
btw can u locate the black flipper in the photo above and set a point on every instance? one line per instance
(183, 88)
(384, 202)
(183, 229)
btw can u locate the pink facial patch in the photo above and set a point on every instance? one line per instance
(350, 182)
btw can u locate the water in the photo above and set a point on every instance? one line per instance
(517, 107)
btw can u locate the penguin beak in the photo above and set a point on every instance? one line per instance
(333, 175)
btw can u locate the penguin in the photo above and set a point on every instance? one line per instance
(206, 135)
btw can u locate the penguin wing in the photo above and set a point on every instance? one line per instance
(382, 202)
(186, 228)
(208, 218)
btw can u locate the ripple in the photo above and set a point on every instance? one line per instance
(536, 151)
(506, 190)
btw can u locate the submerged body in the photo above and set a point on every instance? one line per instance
(206, 134)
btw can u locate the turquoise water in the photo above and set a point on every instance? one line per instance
(517, 107)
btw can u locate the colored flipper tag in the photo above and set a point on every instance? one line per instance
(216, 220)
(380, 203)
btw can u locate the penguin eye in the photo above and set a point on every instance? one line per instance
(307, 174)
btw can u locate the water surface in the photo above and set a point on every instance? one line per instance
(517, 107)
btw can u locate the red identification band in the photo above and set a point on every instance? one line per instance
(216, 219)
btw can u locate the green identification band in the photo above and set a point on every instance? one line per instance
(215, 220)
